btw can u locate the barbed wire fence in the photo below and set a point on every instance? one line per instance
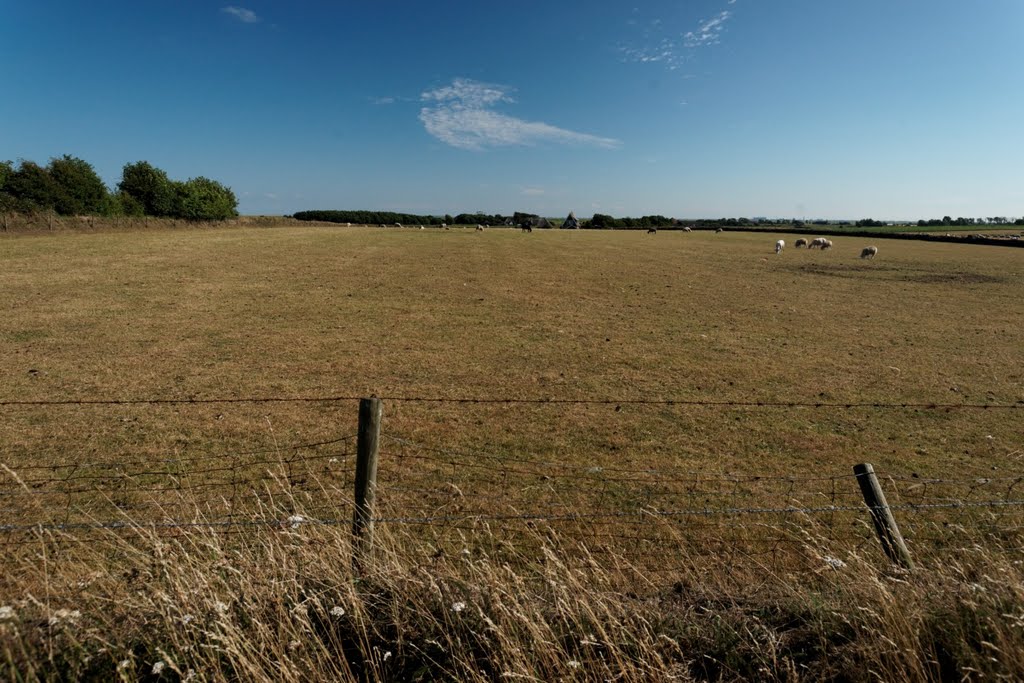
(454, 501)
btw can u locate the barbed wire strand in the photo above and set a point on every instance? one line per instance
(931, 405)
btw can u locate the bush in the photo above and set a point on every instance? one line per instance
(150, 187)
(202, 199)
(78, 190)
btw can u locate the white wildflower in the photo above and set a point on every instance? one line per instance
(294, 645)
(338, 611)
(296, 520)
(458, 606)
(834, 562)
(6, 612)
(465, 552)
(333, 460)
(124, 664)
(64, 615)
(157, 668)
(573, 664)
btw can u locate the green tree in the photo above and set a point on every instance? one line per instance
(78, 190)
(32, 187)
(7, 201)
(150, 187)
(202, 199)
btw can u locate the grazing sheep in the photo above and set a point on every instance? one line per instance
(817, 242)
(398, 225)
(800, 243)
(868, 252)
(779, 246)
(826, 245)
(652, 231)
(687, 229)
(479, 228)
(717, 230)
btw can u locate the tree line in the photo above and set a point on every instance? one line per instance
(71, 187)
(392, 217)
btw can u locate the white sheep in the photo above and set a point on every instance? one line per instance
(779, 246)
(817, 242)
(801, 242)
(687, 229)
(827, 244)
(868, 252)
(479, 228)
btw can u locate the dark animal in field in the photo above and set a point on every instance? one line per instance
(652, 231)
(527, 228)
(868, 252)
(800, 243)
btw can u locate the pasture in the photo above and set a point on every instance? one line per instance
(583, 315)
(602, 364)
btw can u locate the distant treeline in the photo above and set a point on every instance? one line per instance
(948, 221)
(391, 218)
(70, 187)
(598, 221)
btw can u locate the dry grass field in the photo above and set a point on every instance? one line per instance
(607, 367)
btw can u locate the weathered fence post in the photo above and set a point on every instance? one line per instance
(370, 411)
(881, 515)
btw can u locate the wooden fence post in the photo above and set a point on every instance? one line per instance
(370, 410)
(881, 515)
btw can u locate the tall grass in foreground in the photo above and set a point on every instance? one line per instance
(281, 602)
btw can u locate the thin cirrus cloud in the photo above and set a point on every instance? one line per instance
(246, 16)
(462, 115)
(708, 32)
(670, 50)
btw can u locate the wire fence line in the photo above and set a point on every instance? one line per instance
(449, 498)
(919, 405)
(297, 520)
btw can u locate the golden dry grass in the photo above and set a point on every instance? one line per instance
(319, 312)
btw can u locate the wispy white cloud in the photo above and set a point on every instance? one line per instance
(462, 115)
(708, 32)
(382, 100)
(656, 45)
(533, 191)
(246, 16)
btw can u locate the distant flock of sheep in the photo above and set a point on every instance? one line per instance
(822, 243)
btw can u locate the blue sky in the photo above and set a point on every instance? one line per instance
(693, 108)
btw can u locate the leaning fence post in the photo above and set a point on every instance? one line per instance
(370, 410)
(881, 515)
